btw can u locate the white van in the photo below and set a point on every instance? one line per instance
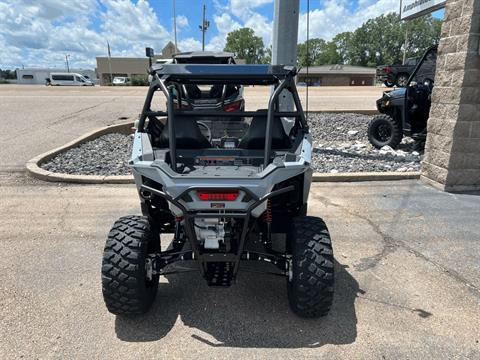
(70, 79)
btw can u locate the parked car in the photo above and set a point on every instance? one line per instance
(405, 111)
(68, 79)
(398, 75)
(121, 80)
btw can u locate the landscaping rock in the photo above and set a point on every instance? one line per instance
(340, 144)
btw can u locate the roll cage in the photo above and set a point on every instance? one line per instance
(169, 77)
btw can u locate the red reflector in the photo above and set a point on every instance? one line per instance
(217, 195)
(232, 106)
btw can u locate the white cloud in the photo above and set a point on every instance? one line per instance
(37, 33)
(244, 8)
(189, 44)
(128, 25)
(224, 24)
(336, 17)
(182, 21)
(40, 33)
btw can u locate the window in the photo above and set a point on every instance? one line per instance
(62, 77)
(27, 77)
(426, 71)
(411, 62)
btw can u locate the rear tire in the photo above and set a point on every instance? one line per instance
(310, 284)
(384, 130)
(125, 287)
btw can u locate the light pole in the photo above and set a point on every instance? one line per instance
(66, 61)
(175, 24)
(285, 39)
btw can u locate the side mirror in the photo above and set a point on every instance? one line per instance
(149, 52)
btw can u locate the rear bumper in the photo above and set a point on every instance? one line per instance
(205, 258)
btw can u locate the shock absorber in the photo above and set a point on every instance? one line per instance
(267, 218)
(267, 214)
(178, 238)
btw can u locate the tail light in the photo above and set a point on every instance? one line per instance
(217, 195)
(234, 106)
(387, 69)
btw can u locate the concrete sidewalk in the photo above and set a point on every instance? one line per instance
(407, 281)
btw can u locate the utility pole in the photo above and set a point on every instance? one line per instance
(109, 62)
(285, 36)
(175, 24)
(203, 28)
(66, 61)
(405, 45)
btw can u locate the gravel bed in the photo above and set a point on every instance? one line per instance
(105, 155)
(340, 145)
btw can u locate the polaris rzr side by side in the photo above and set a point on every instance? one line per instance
(231, 198)
(405, 111)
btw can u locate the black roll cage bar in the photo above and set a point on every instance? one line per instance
(283, 82)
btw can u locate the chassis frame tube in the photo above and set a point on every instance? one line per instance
(189, 218)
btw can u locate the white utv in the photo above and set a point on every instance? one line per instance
(229, 200)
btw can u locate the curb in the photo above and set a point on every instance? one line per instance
(353, 111)
(365, 176)
(34, 169)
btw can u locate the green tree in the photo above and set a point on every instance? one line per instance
(267, 57)
(342, 46)
(315, 49)
(378, 41)
(382, 40)
(245, 45)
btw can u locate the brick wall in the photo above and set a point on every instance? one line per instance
(452, 155)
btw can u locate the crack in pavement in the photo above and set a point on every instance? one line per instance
(391, 245)
(75, 113)
(420, 312)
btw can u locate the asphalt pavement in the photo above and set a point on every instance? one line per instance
(407, 270)
(407, 261)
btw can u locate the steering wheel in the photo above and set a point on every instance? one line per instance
(207, 129)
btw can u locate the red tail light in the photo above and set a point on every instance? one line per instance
(387, 69)
(215, 195)
(234, 106)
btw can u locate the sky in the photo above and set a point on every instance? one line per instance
(39, 33)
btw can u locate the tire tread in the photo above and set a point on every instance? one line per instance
(311, 290)
(123, 283)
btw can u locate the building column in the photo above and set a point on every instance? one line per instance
(285, 38)
(452, 153)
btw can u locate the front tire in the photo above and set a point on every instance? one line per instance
(126, 289)
(310, 284)
(384, 130)
(402, 80)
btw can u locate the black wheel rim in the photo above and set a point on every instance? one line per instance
(384, 133)
(402, 81)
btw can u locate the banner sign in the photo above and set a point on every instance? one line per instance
(410, 9)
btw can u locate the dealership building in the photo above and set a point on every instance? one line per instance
(128, 66)
(337, 75)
